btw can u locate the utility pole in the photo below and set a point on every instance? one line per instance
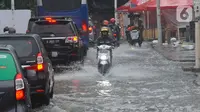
(159, 22)
(197, 46)
(115, 10)
(13, 11)
(197, 33)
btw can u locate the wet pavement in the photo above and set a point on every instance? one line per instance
(141, 80)
(176, 53)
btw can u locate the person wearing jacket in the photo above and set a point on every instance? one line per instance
(105, 39)
(115, 28)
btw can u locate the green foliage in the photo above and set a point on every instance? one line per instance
(5, 4)
(19, 4)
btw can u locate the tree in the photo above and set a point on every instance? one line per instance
(5, 4)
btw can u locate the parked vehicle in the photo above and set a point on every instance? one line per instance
(76, 9)
(35, 61)
(104, 58)
(61, 38)
(14, 87)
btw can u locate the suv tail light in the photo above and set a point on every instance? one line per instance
(71, 39)
(19, 87)
(50, 20)
(84, 26)
(40, 64)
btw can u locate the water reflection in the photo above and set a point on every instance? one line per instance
(75, 86)
(105, 88)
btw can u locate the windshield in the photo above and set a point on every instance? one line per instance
(7, 66)
(25, 47)
(46, 29)
(61, 5)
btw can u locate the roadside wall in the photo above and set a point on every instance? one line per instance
(17, 19)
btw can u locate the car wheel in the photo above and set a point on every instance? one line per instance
(46, 99)
(51, 94)
(85, 52)
(23, 108)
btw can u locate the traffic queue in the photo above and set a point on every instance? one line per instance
(27, 61)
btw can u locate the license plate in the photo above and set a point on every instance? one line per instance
(54, 54)
(52, 41)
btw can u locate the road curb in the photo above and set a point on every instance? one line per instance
(190, 69)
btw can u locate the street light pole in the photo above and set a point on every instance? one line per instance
(197, 33)
(13, 9)
(159, 22)
(115, 10)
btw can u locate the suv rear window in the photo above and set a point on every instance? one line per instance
(25, 46)
(7, 66)
(45, 29)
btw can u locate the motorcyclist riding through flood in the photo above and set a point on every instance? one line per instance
(105, 39)
(115, 29)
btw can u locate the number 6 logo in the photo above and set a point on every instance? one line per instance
(184, 14)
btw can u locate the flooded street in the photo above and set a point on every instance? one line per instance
(141, 80)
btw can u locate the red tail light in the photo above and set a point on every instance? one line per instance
(19, 87)
(71, 39)
(114, 35)
(84, 26)
(50, 20)
(39, 66)
(27, 31)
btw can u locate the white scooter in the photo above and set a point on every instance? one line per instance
(104, 58)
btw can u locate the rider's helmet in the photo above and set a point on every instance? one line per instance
(104, 31)
(105, 22)
(6, 29)
(112, 20)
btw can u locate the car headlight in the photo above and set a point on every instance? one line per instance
(103, 57)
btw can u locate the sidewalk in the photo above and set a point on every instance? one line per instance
(175, 53)
(186, 58)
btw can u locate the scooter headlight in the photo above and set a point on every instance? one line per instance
(103, 57)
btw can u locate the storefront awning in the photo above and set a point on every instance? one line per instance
(128, 5)
(164, 4)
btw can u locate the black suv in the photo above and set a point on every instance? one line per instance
(61, 38)
(14, 88)
(33, 57)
